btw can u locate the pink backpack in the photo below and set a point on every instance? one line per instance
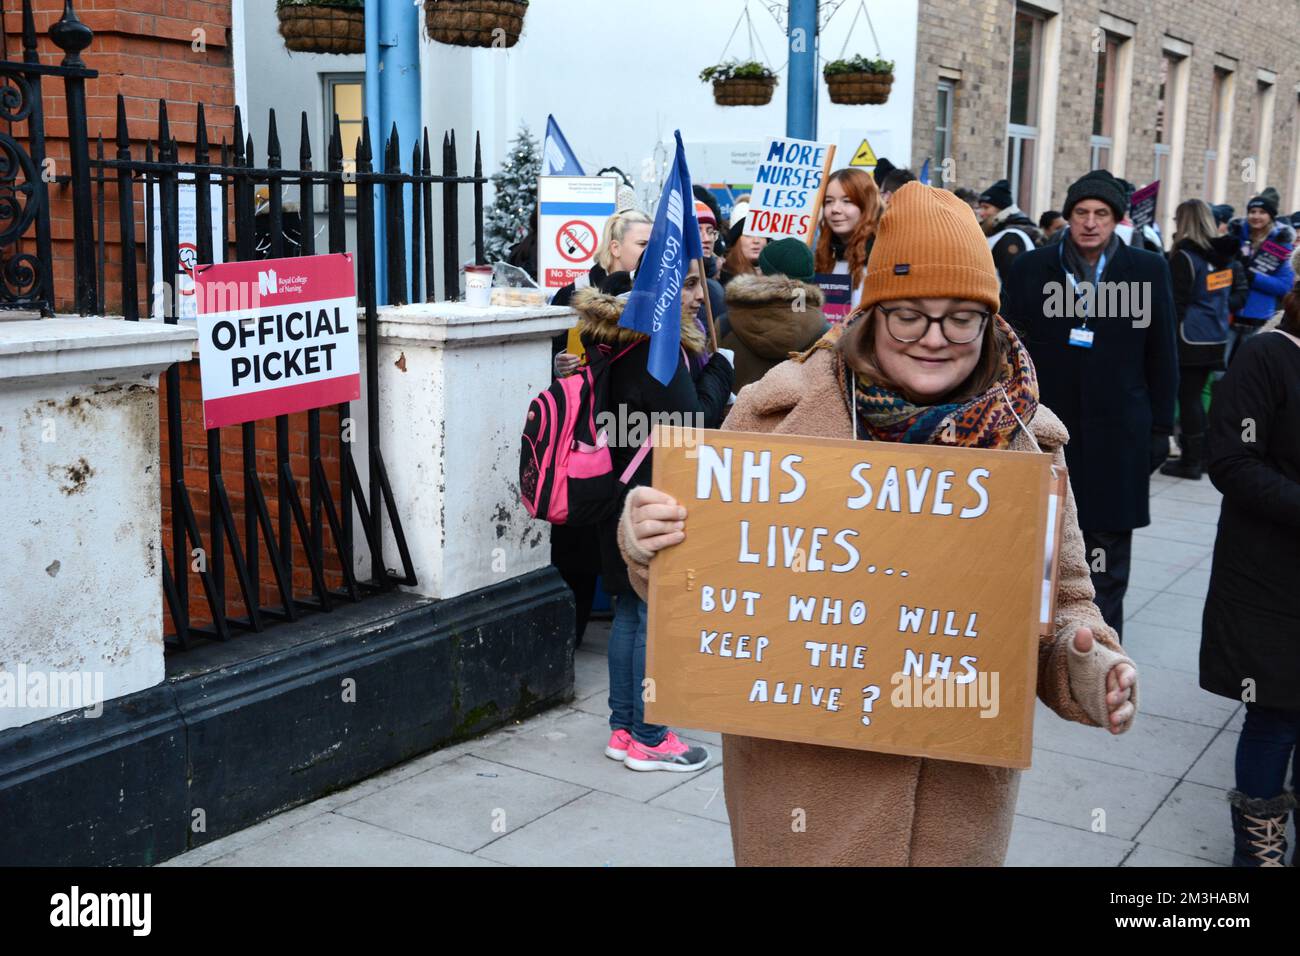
(566, 474)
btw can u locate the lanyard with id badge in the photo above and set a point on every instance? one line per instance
(1082, 336)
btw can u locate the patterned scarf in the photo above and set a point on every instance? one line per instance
(984, 421)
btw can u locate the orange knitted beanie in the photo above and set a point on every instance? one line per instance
(929, 245)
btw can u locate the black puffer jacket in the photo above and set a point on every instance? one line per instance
(636, 397)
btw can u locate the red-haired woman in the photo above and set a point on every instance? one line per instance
(849, 215)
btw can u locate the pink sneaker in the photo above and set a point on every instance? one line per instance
(672, 754)
(616, 749)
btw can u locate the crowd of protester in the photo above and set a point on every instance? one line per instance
(1156, 365)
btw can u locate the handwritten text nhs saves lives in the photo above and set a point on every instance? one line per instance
(758, 477)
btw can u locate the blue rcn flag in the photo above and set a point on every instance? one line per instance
(655, 304)
(557, 158)
(925, 173)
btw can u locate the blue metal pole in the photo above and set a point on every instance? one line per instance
(399, 90)
(376, 141)
(801, 102)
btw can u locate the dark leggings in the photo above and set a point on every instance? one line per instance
(1191, 413)
(1266, 746)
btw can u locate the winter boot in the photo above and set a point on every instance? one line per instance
(1259, 828)
(1189, 463)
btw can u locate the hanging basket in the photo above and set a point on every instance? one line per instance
(857, 89)
(490, 23)
(744, 90)
(316, 28)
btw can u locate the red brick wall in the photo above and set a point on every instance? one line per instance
(195, 445)
(143, 50)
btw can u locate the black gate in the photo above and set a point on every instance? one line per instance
(232, 167)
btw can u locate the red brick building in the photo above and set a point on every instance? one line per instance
(143, 50)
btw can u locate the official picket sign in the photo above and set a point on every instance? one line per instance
(572, 212)
(276, 336)
(789, 187)
(873, 596)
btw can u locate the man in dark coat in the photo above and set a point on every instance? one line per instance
(1011, 233)
(1098, 319)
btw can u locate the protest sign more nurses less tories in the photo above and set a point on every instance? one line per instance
(789, 187)
(866, 595)
(276, 336)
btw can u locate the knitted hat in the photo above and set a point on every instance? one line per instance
(1098, 184)
(999, 194)
(704, 214)
(883, 168)
(787, 257)
(1223, 213)
(736, 231)
(1267, 203)
(928, 245)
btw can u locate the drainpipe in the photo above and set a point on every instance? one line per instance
(801, 102)
(373, 121)
(392, 97)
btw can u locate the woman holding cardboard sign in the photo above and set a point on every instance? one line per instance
(925, 361)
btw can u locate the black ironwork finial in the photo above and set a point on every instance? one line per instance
(71, 36)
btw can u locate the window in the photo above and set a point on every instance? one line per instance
(1022, 123)
(942, 131)
(1295, 164)
(1171, 155)
(344, 96)
(1212, 153)
(1265, 92)
(1103, 107)
(1162, 133)
(1218, 151)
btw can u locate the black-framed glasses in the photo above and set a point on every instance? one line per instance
(911, 325)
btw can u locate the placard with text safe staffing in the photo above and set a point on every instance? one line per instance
(868, 595)
(276, 336)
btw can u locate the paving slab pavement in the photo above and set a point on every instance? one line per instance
(542, 792)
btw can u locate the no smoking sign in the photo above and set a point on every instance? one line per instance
(576, 241)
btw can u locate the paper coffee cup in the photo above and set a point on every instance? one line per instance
(478, 286)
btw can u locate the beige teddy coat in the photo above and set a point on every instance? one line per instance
(873, 809)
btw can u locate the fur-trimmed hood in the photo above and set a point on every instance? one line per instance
(598, 315)
(775, 315)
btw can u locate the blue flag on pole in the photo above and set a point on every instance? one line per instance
(557, 158)
(654, 305)
(925, 173)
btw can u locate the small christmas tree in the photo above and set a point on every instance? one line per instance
(515, 186)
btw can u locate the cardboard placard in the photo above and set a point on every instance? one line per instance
(276, 336)
(571, 216)
(788, 189)
(873, 596)
(1052, 559)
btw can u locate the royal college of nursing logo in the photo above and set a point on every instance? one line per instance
(675, 209)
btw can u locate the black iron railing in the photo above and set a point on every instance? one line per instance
(27, 278)
(237, 176)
